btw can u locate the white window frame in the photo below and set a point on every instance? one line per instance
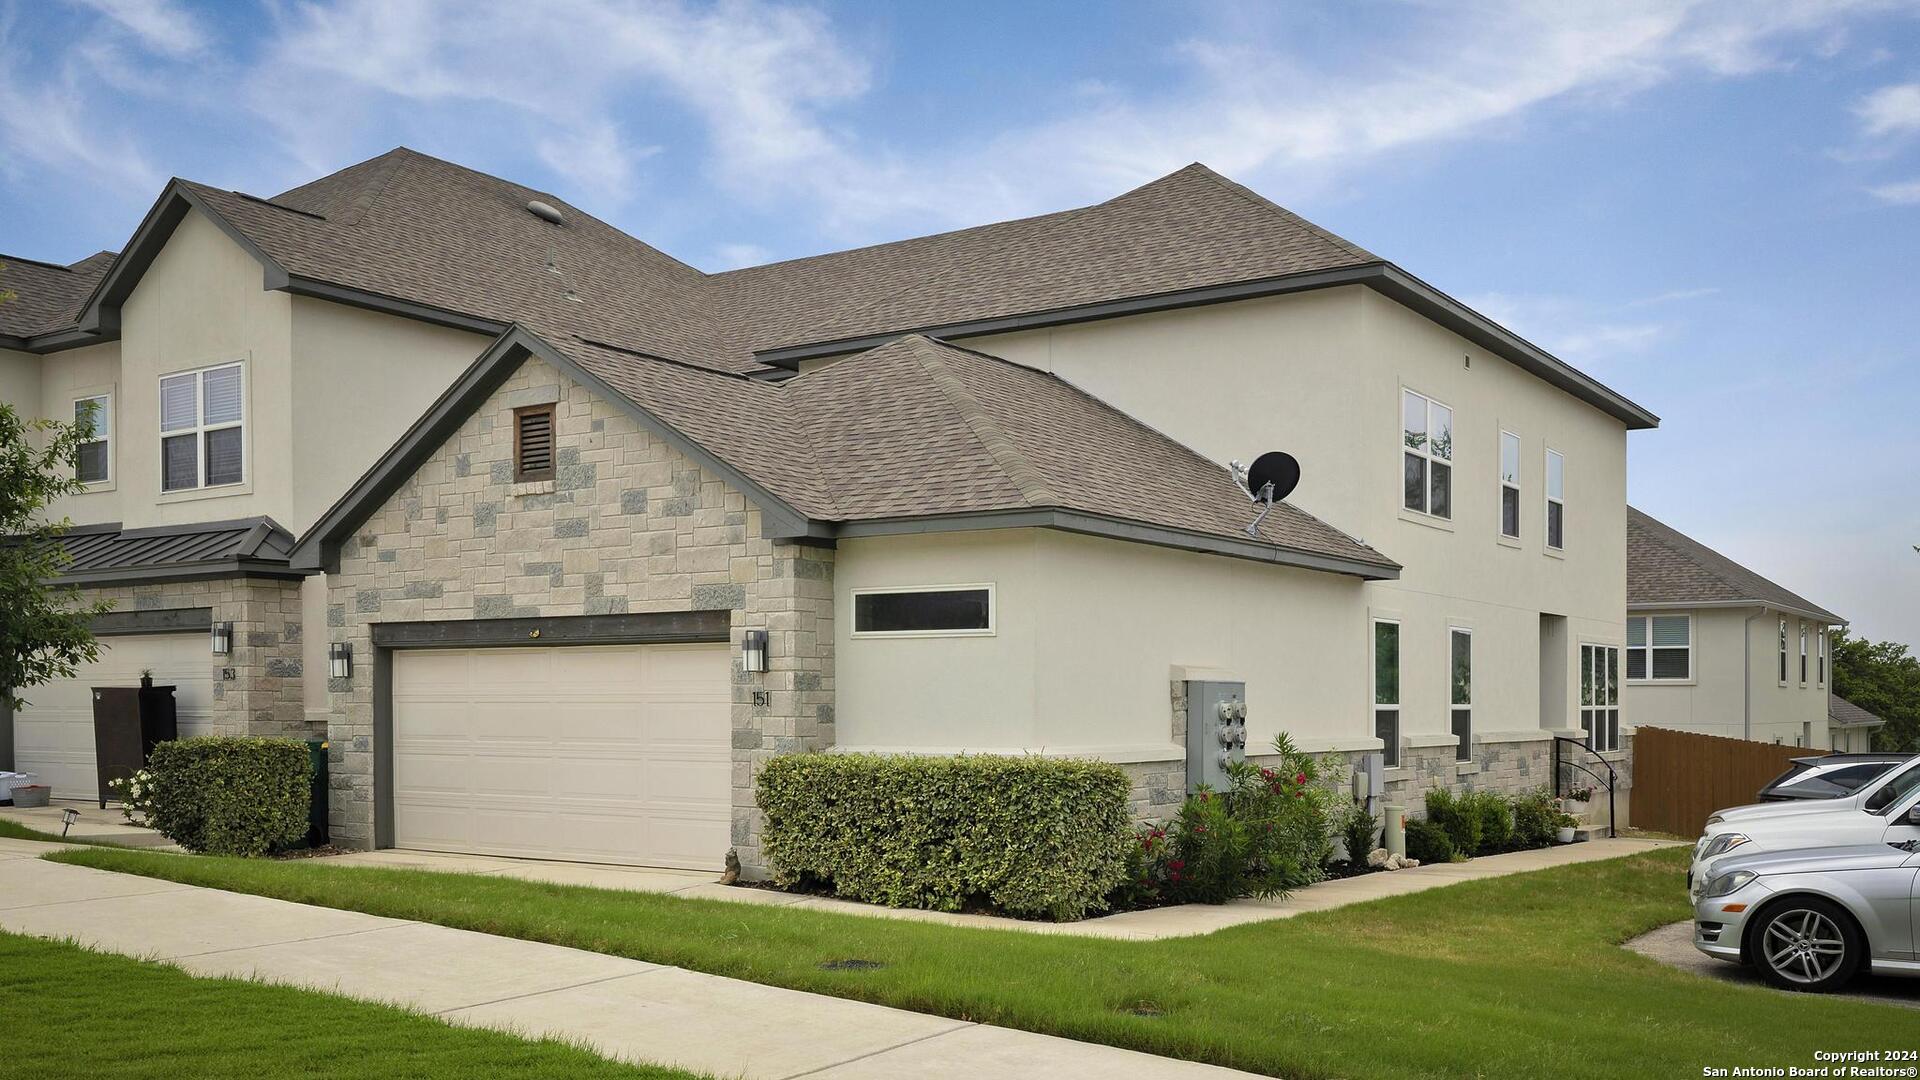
(993, 610)
(1803, 653)
(101, 436)
(1599, 732)
(201, 428)
(1783, 651)
(1630, 648)
(1510, 484)
(1374, 706)
(1463, 749)
(1546, 510)
(1820, 633)
(1425, 453)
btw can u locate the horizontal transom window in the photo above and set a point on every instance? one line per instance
(923, 611)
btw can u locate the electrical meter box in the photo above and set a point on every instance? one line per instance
(1216, 730)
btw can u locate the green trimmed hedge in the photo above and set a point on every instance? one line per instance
(230, 795)
(1045, 837)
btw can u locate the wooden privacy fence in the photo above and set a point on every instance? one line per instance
(1679, 777)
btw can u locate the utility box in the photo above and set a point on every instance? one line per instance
(1216, 730)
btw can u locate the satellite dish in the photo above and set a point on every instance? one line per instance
(1277, 468)
(1272, 477)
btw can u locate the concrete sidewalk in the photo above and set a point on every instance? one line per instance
(625, 1009)
(1168, 922)
(108, 826)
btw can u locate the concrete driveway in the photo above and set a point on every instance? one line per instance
(624, 1009)
(1673, 946)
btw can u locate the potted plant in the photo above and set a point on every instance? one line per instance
(1576, 799)
(32, 795)
(1567, 823)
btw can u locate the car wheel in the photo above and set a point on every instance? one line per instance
(1806, 943)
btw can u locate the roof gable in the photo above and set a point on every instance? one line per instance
(1667, 567)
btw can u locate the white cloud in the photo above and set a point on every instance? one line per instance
(1890, 110)
(597, 158)
(1673, 296)
(54, 123)
(161, 25)
(735, 256)
(1906, 193)
(1577, 331)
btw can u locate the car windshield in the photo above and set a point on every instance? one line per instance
(1830, 783)
(1895, 789)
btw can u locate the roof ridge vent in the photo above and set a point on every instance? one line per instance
(546, 212)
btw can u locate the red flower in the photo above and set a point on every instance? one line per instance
(1301, 779)
(1176, 865)
(1206, 796)
(1297, 794)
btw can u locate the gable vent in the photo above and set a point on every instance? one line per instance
(533, 443)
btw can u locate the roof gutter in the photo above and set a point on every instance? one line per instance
(1382, 277)
(1826, 617)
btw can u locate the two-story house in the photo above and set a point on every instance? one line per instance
(557, 538)
(1715, 648)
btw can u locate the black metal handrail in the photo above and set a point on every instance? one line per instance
(1610, 780)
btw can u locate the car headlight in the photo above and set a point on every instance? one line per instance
(1729, 883)
(1724, 843)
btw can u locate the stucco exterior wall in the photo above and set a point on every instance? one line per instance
(20, 382)
(1726, 662)
(628, 525)
(1320, 375)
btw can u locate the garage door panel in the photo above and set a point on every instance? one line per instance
(603, 754)
(53, 736)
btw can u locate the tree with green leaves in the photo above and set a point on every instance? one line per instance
(44, 627)
(1884, 679)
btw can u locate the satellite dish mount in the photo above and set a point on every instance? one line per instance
(1272, 477)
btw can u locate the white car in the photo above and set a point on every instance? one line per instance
(1876, 814)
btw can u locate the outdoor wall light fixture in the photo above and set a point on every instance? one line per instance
(222, 638)
(753, 650)
(340, 660)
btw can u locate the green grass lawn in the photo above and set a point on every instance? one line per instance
(1507, 977)
(66, 1011)
(13, 830)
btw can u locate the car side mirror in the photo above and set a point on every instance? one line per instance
(1913, 814)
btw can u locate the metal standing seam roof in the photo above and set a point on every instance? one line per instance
(101, 554)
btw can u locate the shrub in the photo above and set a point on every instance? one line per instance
(1458, 817)
(1428, 842)
(1028, 835)
(1358, 829)
(1496, 820)
(229, 795)
(1269, 832)
(1535, 819)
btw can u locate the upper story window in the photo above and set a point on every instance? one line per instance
(926, 611)
(1803, 654)
(1427, 434)
(1556, 500)
(93, 463)
(1783, 652)
(1821, 635)
(533, 445)
(1659, 647)
(1460, 692)
(202, 428)
(1386, 688)
(1510, 485)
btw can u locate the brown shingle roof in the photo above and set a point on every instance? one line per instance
(1665, 566)
(1190, 229)
(1847, 714)
(47, 296)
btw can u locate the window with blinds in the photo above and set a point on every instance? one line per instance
(202, 428)
(533, 449)
(1660, 648)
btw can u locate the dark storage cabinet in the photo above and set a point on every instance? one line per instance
(127, 722)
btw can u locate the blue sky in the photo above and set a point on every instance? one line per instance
(1714, 208)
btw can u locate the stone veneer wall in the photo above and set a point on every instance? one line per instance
(1508, 765)
(629, 524)
(264, 696)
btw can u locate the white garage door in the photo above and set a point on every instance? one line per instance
(615, 754)
(53, 736)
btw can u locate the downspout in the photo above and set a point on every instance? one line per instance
(1746, 684)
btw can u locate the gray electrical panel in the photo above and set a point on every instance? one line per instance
(1216, 730)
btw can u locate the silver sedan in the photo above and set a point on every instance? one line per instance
(1811, 919)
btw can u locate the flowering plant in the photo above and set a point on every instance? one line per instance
(1578, 793)
(136, 796)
